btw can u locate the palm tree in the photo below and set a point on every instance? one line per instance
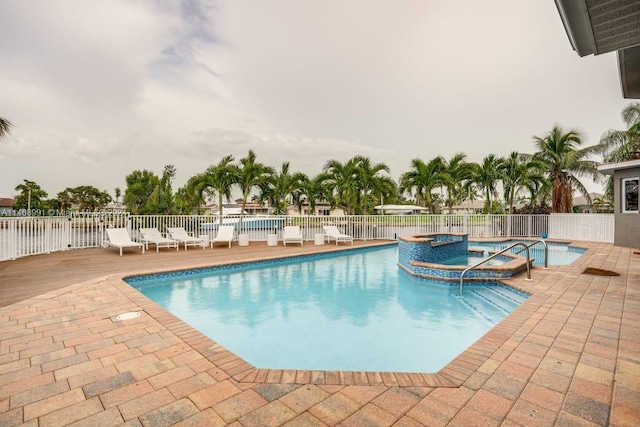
(487, 175)
(384, 188)
(422, 179)
(564, 162)
(5, 127)
(456, 172)
(622, 145)
(602, 204)
(217, 179)
(342, 179)
(279, 186)
(251, 175)
(371, 182)
(519, 172)
(312, 191)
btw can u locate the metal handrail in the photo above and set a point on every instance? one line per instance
(525, 248)
(546, 252)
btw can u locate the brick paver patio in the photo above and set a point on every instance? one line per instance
(568, 356)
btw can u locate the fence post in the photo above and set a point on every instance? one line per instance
(13, 239)
(47, 235)
(66, 233)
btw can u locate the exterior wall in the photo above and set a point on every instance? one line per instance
(627, 231)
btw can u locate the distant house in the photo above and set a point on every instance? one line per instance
(401, 210)
(467, 207)
(115, 207)
(6, 206)
(581, 204)
(321, 209)
(228, 209)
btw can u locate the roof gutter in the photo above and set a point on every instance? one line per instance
(577, 25)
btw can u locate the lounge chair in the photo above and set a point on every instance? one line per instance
(332, 232)
(119, 238)
(153, 236)
(181, 235)
(225, 234)
(292, 234)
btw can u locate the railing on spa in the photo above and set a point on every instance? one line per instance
(24, 236)
(525, 248)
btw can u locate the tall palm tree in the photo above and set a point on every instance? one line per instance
(5, 127)
(456, 172)
(519, 172)
(371, 181)
(279, 187)
(487, 175)
(342, 179)
(383, 188)
(422, 179)
(565, 162)
(217, 180)
(250, 175)
(311, 192)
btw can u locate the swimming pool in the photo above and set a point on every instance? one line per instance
(349, 311)
(559, 253)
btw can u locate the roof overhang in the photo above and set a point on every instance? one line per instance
(595, 27)
(629, 64)
(609, 168)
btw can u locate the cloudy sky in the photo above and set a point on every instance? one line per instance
(97, 89)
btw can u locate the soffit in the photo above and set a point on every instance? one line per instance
(615, 24)
(602, 26)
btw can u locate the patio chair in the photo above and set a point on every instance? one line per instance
(153, 236)
(181, 235)
(119, 238)
(225, 234)
(292, 234)
(332, 232)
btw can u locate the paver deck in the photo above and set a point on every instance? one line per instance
(570, 355)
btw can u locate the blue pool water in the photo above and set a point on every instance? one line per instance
(355, 311)
(559, 253)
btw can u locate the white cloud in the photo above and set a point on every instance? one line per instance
(98, 89)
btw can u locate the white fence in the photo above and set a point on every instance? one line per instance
(585, 227)
(24, 236)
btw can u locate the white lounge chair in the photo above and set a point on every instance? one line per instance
(292, 234)
(119, 238)
(153, 236)
(225, 234)
(332, 232)
(181, 235)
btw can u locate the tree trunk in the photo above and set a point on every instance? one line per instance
(562, 199)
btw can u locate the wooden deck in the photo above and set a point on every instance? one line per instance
(27, 277)
(568, 356)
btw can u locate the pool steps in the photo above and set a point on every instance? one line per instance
(497, 297)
